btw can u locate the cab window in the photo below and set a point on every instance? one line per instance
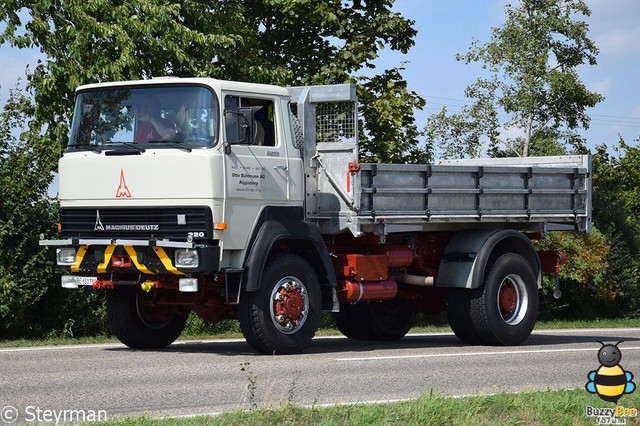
(249, 121)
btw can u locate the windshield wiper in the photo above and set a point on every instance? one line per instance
(126, 148)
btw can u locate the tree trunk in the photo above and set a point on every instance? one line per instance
(527, 138)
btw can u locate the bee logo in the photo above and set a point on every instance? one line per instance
(610, 381)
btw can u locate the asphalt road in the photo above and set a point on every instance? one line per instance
(204, 377)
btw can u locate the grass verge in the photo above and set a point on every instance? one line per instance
(564, 407)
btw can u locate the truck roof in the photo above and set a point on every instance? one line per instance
(216, 84)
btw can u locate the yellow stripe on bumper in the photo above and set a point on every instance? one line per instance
(162, 255)
(102, 268)
(82, 250)
(134, 258)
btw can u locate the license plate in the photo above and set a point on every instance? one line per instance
(86, 280)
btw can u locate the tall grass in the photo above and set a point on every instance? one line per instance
(565, 407)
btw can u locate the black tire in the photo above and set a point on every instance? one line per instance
(350, 326)
(506, 309)
(386, 320)
(287, 325)
(138, 325)
(459, 316)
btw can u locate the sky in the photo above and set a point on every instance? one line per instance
(447, 27)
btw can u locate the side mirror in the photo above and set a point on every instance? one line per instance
(239, 127)
(245, 125)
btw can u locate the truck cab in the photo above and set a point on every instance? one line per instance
(226, 155)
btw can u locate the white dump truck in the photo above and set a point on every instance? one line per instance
(248, 201)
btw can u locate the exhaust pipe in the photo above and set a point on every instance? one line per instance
(416, 280)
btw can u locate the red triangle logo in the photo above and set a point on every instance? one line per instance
(123, 189)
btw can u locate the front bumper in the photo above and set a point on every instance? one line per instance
(148, 257)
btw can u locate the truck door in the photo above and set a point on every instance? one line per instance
(257, 172)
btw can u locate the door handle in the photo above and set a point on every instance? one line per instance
(280, 166)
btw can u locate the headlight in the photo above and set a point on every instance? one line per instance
(186, 258)
(66, 256)
(188, 285)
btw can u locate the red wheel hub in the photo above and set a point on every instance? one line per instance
(507, 300)
(290, 305)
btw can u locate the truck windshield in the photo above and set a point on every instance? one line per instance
(161, 115)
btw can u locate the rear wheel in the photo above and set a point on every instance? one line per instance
(348, 325)
(140, 325)
(385, 320)
(503, 311)
(507, 308)
(282, 316)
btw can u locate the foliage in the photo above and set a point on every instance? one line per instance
(531, 78)
(586, 255)
(197, 328)
(617, 192)
(391, 137)
(286, 42)
(31, 303)
(586, 293)
(602, 274)
(23, 212)
(616, 203)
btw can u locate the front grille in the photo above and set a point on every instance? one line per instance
(175, 223)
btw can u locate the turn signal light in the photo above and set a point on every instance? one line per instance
(219, 226)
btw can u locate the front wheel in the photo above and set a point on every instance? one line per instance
(140, 325)
(282, 316)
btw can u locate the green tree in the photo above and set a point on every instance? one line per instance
(389, 136)
(616, 203)
(531, 79)
(602, 274)
(24, 211)
(286, 42)
(31, 301)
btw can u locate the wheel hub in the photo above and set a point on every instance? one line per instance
(512, 299)
(508, 300)
(290, 305)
